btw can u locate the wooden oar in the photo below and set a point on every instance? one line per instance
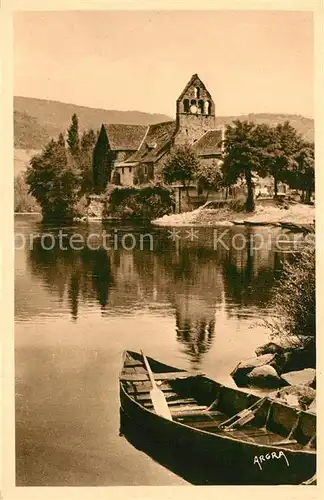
(160, 404)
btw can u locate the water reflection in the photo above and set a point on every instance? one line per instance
(194, 279)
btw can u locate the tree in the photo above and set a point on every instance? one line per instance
(280, 145)
(73, 137)
(242, 157)
(54, 181)
(88, 141)
(301, 172)
(181, 166)
(209, 177)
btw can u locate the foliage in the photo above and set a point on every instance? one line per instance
(54, 181)
(73, 137)
(301, 172)
(237, 204)
(294, 297)
(181, 166)
(147, 202)
(278, 145)
(88, 141)
(209, 177)
(23, 201)
(241, 157)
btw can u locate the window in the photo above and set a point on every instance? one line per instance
(201, 107)
(130, 170)
(122, 170)
(197, 92)
(193, 102)
(145, 170)
(186, 105)
(207, 107)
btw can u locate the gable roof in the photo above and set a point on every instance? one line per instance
(156, 140)
(194, 79)
(122, 137)
(209, 144)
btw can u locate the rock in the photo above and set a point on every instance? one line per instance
(264, 376)
(312, 406)
(284, 344)
(301, 377)
(305, 396)
(240, 372)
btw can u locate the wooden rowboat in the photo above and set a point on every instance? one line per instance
(240, 436)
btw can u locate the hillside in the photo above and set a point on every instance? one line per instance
(305, 126)
(37, 120)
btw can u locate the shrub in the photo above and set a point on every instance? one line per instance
(147, 202)
(23, 201)
(237, 205)
(294, 297)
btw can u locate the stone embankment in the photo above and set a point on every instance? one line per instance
(285, 364)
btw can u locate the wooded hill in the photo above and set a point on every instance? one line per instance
(38, 120)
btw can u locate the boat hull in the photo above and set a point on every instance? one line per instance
(232, 461)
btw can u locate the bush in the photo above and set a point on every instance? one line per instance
(148, 202)
(237, 205)
(294, 297)
(23, 201)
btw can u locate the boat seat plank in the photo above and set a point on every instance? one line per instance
(132, 363)
(187, 409)
(146, 396)
(173, 403)
(158, 376)
(146, 388)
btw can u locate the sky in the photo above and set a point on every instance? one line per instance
(251, 62)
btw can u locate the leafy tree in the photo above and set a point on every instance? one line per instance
(73, 137)
(54, 181)
(242, 157)
(301, 172)
(209, 177)
(181, 166)
(280, 145)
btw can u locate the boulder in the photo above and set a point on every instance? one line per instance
(298, 395)
(284, 344)
(264, 376)
(300, 377)
(240, 372)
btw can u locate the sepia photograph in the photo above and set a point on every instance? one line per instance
(164, 241)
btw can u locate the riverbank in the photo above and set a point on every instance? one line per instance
(298, 214)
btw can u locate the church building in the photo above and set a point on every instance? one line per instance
(129, 154)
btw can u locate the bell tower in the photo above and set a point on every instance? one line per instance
(195, 112)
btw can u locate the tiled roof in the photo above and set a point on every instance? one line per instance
(125, 137)
(154, 143)
(209, 144)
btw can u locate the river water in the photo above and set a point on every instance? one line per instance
(192, 299)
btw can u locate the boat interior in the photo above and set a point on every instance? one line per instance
(201, 403)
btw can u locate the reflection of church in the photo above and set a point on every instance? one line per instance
(129, 154)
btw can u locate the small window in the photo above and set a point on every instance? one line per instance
(193, 102)
(186, 105)
(130, 170)
(122, 170)
(201, 107)
(145, 170)
(207, 107)
(197, 92)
